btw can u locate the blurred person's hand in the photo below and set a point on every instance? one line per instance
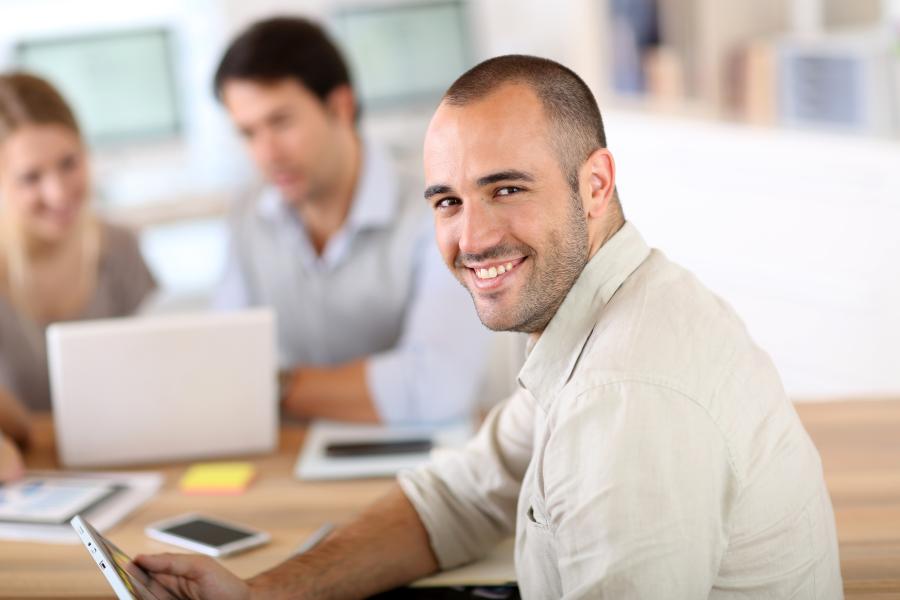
(191, 577)
(11, 465)
(15, 421)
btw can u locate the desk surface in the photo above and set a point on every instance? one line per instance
(859, 443)
(290, 510)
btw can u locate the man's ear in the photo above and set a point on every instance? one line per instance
(599, 177)
(341, 103)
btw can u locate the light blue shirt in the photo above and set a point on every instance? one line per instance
(379, 290)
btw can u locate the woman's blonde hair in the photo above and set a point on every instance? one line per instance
(26, 99)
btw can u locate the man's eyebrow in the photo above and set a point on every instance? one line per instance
(509, 175)
(434, 190)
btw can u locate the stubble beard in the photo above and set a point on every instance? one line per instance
(552, 277)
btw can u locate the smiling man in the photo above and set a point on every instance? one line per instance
(650, 451)
(370, 325)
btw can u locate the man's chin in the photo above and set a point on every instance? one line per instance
(494, 318)
(291, 196)
(294, 194)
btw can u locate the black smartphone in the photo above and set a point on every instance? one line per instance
(378, 447)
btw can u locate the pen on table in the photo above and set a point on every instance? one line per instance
(312, 541)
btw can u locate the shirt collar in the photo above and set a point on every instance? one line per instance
(553, 357)
(374, 201)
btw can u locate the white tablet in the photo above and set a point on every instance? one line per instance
(127, 579)
(199, 533)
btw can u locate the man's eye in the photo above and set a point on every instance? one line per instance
(280, 121)
(30, 178)
(508, 190)
(446, 202)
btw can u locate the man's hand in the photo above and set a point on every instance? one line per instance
(189, 577)
(337, 392)
(11, 467)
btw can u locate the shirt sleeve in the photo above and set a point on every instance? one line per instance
(638, 507)
(467, 498)
(434, 372)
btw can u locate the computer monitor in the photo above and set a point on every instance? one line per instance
(121, 84)
(404, 53)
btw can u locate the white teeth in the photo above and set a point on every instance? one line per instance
(493, 271)
(486, 273)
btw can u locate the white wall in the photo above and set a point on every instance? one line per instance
(798, 231)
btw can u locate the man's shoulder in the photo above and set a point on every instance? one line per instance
(664, 326)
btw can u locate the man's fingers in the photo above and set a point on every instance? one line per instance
(165, 587)
(188, 577)
(180, 565)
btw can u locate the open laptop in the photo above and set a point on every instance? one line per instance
(163, 388)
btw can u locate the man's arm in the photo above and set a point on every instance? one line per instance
(384, 547)
(340, 392)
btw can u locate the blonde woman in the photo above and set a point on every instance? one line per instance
(57, 261)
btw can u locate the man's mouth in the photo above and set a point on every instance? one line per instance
(489, 275)
(282, 178)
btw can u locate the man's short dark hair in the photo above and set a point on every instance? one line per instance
(284, 48)
(567, 101)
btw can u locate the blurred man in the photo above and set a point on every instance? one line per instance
(651, 452)
(371, 327)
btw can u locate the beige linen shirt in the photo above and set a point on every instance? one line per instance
(650, 453)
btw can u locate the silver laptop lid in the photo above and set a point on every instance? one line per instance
(163, 388)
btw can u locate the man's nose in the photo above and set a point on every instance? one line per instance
(265, 149)
(481, 230)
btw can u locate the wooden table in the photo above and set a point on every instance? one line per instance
(859, 442)
(290, 510)
(860, 447)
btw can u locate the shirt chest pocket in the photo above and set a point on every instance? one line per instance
(536, 514)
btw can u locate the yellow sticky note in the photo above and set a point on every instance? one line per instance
(217, 478)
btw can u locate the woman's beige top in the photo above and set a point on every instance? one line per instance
(123, 281)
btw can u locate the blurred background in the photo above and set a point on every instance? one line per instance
(757, 141)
